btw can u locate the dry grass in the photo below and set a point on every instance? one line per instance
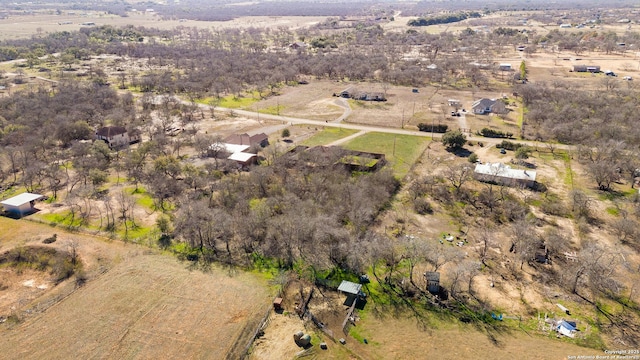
(46, 22)
(135, 304)
(399, 337)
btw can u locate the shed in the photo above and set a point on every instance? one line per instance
(22, 204)
(350, 287)
(433, 281)
(564, 309)
(566, 329)
(277, 303)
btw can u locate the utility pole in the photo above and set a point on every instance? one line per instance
(394, 145)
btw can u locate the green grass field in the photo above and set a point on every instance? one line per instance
(327, 136)
(402, 151)
(233, 102)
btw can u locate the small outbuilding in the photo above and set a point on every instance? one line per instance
(277, 304)
(566, 328)
(350, 288)
(433, 282)
(21, 205)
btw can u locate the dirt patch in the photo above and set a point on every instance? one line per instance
(277, 341)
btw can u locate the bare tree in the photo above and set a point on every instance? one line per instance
(458, 175)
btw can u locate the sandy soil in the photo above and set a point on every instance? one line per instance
(277, 342)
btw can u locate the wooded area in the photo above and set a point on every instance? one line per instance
(308, 211)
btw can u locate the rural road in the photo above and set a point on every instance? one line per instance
(287, 121)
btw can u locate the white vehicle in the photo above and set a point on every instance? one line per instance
(629, 78)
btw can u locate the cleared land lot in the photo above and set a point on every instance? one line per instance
(146, 306)
(24, 26)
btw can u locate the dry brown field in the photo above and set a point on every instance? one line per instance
(137, 303)
(25, 26)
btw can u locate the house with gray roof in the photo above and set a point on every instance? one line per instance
(487, 106)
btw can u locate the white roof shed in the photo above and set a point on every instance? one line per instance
(21, 204)
(241, 156)
(349, 287)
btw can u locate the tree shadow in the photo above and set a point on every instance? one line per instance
(460, 152)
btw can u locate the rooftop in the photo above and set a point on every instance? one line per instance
(241, 156)
(350, 287)
(502, 170)
(21, 199)
(231, 148)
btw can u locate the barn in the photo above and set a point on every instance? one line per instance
(21, 205)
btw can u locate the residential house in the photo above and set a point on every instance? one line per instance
(504, 175)
(486, 106)
(298, 45)
(117, 136)
(586, 68)
(353, 93)
(245, 139)
(235, 152)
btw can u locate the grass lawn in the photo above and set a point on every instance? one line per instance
(233, 102)
(402, 151)
(327, 136)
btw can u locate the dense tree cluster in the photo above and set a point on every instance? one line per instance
(443, 19)
(308, 210)
(579, 116)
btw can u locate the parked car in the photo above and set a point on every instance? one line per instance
(503, 151)
(628, 78)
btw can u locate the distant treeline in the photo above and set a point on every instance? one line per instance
(444, 19)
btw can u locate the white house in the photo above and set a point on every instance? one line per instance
(504, 175)
(22, 204)
(234, 152)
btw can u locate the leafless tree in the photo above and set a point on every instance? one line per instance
(458, 175)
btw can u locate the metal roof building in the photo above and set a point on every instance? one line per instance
(350, 287)
(22, 204)
(504, 174)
